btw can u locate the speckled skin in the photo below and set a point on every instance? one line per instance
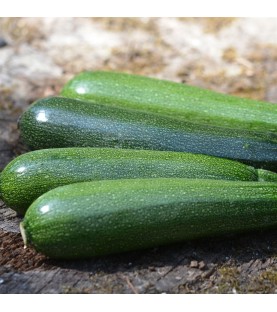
(30, 175)
(103, 217)
(63, 122)
(177, 100)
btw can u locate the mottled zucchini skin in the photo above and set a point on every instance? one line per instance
(173, 99)
(30, 175)
(63, 122)
(97, 218)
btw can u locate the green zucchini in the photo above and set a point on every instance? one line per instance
(266, 176)
(32, 174)
(97, 218)
(173, 99)
(64, 122)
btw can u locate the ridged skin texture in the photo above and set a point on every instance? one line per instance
(90, 219)
(30, 175)
(173, 99)
(63, 122)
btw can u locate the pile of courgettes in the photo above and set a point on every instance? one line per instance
(123, 162)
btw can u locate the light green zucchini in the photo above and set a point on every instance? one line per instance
(185, 102)
(97, 218)
(30, 175)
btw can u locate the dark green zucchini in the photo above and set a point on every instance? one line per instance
(63, 122)
(90, 219)
(173, 99)
(30, 175)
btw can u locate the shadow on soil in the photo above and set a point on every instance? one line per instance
(238, 249)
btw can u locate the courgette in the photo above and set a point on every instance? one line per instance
(30, 175)
(173, 99)
(64, 122)
(96, 218)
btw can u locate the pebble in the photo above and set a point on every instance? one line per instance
(197, 265)
(202, 265)
(194, 264)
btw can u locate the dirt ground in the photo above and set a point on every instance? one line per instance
(230, 55)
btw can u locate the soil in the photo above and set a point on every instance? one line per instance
(38, 55)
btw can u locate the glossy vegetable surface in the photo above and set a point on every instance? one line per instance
(173, 99)
(30, 175)
(63, 122)
(90, 219)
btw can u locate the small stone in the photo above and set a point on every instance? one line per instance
(202, 265)
(194, 264)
